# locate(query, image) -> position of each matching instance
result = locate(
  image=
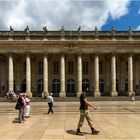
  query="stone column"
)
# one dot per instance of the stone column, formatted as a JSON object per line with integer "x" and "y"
{"x": 28, "y": 75}
{"x": 130, "y": 74}
{"x": 11, "y": 73}
{"x": 62, "y": 76}
{"x": 45, "y": 72}
{"x": 113, "y": 76}
{"x": 96, "y": 66}
{"x": 79, "y": 75}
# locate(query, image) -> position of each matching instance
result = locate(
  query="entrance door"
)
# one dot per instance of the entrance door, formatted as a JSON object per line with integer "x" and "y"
{"x": 23, "y": 89}
{"x": 126, "y": 87}
{"x": 40, "y": 87}
{"x": 70, "y": 88}
{"x": 102, "y": 87}
{"x": 55, "y": 87}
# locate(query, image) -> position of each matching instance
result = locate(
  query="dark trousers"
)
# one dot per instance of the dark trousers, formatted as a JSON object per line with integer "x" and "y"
{"x": 50, "y": 108}
{"x": 21, "y": 114}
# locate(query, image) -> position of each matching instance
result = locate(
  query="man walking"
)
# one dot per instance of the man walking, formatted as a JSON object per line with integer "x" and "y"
{"x": 84, "y": 113}
{"x": 50, "y": 103}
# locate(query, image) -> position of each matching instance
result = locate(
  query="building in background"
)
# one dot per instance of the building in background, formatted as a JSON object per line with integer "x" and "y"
{"x": 63, "y": 62}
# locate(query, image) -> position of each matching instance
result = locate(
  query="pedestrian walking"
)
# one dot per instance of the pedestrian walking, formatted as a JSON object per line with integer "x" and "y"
{"x": 50, "y": 103}
{"x": 84, "y": 113}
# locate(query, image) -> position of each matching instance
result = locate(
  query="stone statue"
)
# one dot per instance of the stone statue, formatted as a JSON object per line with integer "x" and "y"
{"x": 130, "y": 31}
{"x": 27, "y": 31}
{"x": 62, "y": 30}
{"x": 11, "y": 29}
{"x": 45, "y": 29}
{"x": 79, "y": 29}
{"x": 113, "y": 31}
{"x": 96, "y": 30}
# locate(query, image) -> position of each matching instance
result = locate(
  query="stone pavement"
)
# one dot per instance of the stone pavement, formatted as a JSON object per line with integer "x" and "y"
{"x": 119, "y": 120}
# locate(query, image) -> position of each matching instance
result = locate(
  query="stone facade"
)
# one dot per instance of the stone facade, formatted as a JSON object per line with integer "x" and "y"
{"x": 109, "y": 64}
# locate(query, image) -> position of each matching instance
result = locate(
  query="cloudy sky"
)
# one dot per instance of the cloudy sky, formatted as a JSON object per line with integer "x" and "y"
{"x": 70, "y": 13}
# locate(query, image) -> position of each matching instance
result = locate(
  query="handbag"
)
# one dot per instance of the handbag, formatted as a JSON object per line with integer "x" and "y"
{"x": 18, "y": 106}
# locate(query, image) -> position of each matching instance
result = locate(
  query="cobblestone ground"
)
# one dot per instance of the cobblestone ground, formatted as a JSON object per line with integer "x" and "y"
{"x": 119, "y": 120}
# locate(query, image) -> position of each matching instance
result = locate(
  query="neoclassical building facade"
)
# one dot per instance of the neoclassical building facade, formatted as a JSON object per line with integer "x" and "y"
{"x": 63, "y": 62}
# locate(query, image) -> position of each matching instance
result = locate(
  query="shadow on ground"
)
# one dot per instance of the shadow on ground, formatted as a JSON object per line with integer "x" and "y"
{"x": 73, "y": 132}
{"x": 15, "y": 120}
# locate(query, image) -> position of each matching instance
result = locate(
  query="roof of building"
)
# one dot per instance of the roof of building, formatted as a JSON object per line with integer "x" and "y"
{"x": 69, "y": 35}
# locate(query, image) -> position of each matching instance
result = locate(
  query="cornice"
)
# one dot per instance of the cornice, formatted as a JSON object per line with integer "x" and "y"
{"x": 69, "y": 43}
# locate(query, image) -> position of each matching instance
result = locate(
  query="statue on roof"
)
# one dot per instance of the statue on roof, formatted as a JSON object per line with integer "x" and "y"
{"x": 130, "y": 31}
{"x": 113, "y": 31}
{"x": 45, "y": 29}
{"x": 79, "y": 29}
{"x": 27, "y": 31}
{"x": 62, "y": 30}
{"x": 11, "y": 29}
{"x": 96, "y": 30}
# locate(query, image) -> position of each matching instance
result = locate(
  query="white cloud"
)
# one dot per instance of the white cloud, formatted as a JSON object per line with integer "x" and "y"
{"x": 55, "y": 13}
{"x": 139, "y": 11}
{"x": 138, "y": 28}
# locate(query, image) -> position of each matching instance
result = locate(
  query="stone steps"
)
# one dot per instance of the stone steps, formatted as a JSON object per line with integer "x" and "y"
{"x": 69, "y": 99}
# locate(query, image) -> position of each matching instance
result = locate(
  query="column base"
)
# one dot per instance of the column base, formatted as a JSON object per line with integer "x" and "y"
{"x": 130, "y": 93}
{"x": 97, "y": 94}
{"x": 29, "y": 93}
{"x": 62, "y": 94}
{"x": 114, "y": 93}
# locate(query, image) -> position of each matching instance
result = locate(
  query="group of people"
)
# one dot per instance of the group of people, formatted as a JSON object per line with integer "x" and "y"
{"x": 24, "y": 110}
{"x": 11, "y": 96}
{"x": 23, "y": 103}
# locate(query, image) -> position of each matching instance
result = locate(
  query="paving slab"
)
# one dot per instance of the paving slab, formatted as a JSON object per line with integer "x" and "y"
{"x": 116, "y": 120}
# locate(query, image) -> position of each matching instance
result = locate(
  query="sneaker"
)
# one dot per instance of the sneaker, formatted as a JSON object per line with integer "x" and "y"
{"x": 78, "y": 132}
{"x": 94, "y": 131}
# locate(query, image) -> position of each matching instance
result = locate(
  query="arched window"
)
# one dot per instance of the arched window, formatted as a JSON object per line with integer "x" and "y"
{"x": 15, "y": 86}
{"x": 126, "y": 86}
{"x": 55, "y": 87}
{"x": 85, "y": 83}
{"x": 70, "y": 87}
{"x": 40, "y": 87}
{"x": 101, "y": 87}
{"x": 117, "y": 85}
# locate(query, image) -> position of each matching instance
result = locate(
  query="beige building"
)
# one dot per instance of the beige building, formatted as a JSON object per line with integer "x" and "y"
{"x": 63, "y": 62}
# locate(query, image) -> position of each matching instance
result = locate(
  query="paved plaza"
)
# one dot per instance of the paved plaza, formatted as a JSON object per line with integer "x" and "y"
{"x": 119, "y": 120}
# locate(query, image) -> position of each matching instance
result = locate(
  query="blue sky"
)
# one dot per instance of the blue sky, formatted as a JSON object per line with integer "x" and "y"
{"x": 70, "y": 13}
{"x": 132, "y": 19}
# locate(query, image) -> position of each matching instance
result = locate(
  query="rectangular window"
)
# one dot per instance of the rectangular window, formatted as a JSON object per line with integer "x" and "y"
{"x": 70, "y": 67}
{"x": 55, "y": 67}
{"x": 100, "y": 67}
{"x": 85, "y": 67}
{"x": 40, "y": 68}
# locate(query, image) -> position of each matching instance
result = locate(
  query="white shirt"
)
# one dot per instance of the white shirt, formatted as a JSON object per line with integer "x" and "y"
{"x": 50, "y": 99}
{"x": 27, "y": 100}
